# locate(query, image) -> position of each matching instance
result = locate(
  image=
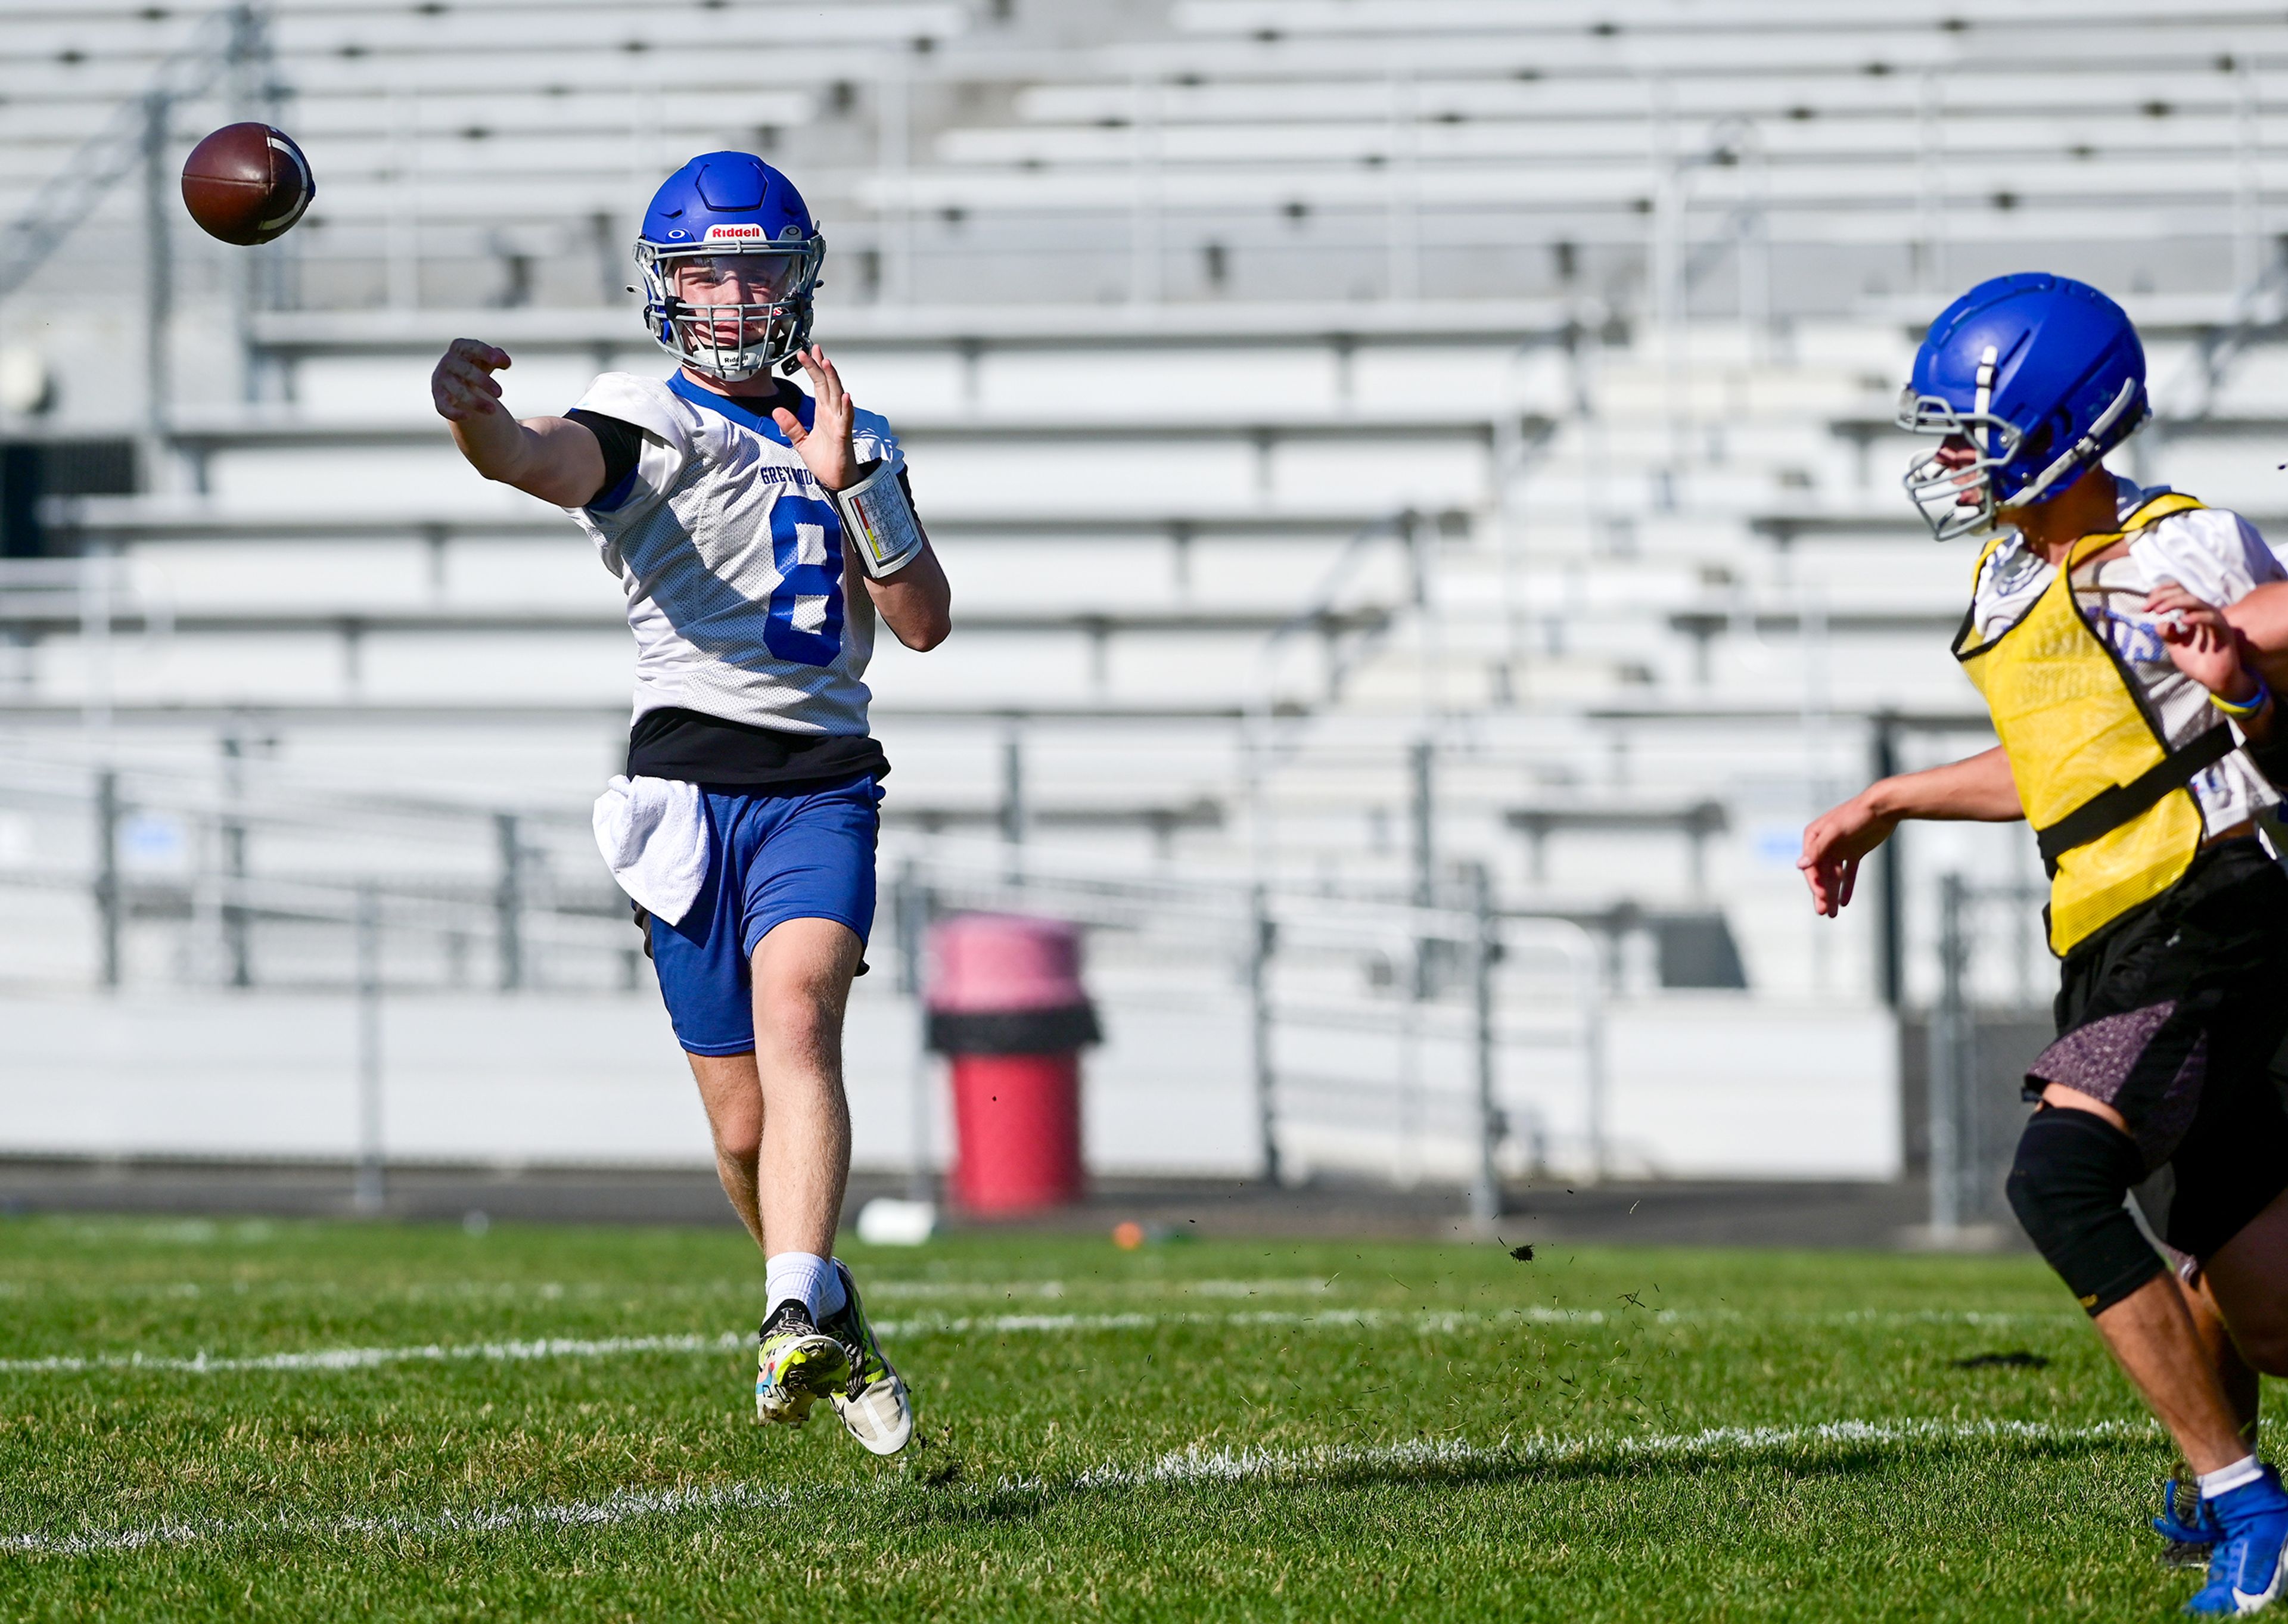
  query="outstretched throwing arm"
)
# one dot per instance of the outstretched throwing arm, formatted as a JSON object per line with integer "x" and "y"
{"x": 553, "y": 458}
{"x": 1979, "y": 790}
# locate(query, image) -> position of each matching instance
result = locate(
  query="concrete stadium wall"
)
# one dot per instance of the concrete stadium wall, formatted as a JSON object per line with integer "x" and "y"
{"x": 1709, "y": 1088}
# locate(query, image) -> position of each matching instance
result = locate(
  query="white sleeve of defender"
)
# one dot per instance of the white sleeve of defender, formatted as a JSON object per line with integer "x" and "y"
{"x": 2213, "y": 554}
{"x": 870, "y": 437}
{"x": 666, "y": 423}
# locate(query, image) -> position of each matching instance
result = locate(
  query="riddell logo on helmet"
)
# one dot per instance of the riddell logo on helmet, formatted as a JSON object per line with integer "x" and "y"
{"x": 737, "y": 233}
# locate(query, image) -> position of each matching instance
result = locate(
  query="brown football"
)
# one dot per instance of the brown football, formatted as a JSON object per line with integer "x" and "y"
{"x": 247, "y": 184}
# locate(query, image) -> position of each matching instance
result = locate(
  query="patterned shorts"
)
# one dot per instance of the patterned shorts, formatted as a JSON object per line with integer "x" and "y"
{"x": 2174, "y": 1016}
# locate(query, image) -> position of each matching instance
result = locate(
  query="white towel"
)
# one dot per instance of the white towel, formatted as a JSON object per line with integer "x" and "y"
{"x": 653, "y": 833}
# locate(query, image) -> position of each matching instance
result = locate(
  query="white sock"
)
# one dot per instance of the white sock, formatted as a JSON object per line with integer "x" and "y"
{"x": 2227, "y": 1479}
{"x": 831, "y": 1294}
{"x": 799, "y": 1275}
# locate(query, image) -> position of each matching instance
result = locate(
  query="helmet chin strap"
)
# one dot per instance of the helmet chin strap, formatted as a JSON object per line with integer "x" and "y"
{"x": 1984, "y": 399}
{"x": 2087, "y": 449}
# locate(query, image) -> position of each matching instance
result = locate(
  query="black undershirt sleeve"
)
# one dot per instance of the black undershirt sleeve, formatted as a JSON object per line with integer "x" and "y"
{"x": 621, "y": 442}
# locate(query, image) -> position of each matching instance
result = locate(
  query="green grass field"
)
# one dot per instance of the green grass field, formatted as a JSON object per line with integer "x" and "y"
{"x": 338, "y": 1421}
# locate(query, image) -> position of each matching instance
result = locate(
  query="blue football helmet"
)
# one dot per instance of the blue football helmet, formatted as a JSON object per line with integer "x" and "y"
{"x": 730, "y": 259}
{"x": 2041, "y": 375}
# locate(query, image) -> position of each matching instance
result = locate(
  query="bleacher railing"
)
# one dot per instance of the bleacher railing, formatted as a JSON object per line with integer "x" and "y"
{"x": 1421, "y": 1017}
{"x": 1447, "y": 1025}
{"x": 167, "y": 842}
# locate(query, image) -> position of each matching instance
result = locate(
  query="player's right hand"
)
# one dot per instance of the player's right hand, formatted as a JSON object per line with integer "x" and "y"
{"x": 1832, "y": 846}
{"x": 2204, "y": 645}
{"x": 463, "y": 384}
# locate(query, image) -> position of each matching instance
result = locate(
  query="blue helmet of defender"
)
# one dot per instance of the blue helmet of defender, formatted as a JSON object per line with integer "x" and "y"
{"x": 731, "y": 233}
{"x": 2040, "y": 377}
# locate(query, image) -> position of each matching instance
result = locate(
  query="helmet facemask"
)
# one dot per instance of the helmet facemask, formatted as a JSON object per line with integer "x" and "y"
{"x": 748, "y": 307}
{"x": 1957, "y": 500}
{"x": 1961, "y": 500}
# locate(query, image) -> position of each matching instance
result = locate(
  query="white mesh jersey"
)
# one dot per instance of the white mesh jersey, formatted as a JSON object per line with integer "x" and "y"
{"x": 2215, "y": 554}
{"x": 731, "y": 556}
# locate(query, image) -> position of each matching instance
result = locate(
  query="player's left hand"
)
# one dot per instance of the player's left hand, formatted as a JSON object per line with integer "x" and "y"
{"x": 2201, "y": 642}
{"x": 825, "y": 446}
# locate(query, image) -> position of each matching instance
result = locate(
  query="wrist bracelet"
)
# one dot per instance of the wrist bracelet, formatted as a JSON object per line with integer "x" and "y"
{"x": 2240, "y": 710}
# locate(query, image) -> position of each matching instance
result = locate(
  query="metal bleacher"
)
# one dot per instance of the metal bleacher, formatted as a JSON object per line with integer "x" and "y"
{"x": 1367, "y": 437}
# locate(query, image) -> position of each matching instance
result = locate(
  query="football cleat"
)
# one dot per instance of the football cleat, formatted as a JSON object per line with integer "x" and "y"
{"x": 874, "y": 1404}
{"x": 2189, "y": 1541}
{"x": 796, "y": 1364}
{"x": 2253, "y": 1541}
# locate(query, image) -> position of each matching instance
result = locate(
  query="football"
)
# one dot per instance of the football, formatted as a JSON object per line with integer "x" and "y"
{"x": 247, "y": 184}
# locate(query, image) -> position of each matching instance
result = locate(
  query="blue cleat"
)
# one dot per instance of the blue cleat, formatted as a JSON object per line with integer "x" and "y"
{"x": 2191, "y": 1539}
{"x": 2252, "y": 1541}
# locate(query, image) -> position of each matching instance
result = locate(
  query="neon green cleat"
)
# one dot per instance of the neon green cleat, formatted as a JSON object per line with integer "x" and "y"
{"x": 873, "y": 1403}
{"x": 796, "y": 1364}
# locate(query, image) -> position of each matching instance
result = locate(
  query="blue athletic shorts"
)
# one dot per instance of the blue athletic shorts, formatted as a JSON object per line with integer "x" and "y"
{"x": 801, "y": 854}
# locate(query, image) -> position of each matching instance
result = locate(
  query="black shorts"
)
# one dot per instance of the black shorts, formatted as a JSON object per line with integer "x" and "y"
{"x": 2172, "y": 1016}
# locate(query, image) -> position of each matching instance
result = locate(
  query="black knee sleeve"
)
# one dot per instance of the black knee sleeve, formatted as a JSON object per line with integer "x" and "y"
{"x": 2066, "y": 1186}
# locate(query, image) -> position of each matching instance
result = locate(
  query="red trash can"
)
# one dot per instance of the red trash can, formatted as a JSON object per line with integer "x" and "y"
{"x": 1007, "y": 1007}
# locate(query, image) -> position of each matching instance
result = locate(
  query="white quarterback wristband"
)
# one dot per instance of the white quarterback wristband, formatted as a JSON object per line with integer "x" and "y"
{"x": 880, "y": 522}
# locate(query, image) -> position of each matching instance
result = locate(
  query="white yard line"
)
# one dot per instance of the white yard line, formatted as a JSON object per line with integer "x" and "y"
{"x": 1304, "y": 1286}
{"x": 1326, "y": 1319}
{"x": 977, "y": 1293}
{"x": 1454, "y": 1319}
{"x": 1109, "y": 1318}
{"x": 611, "y": 1347}
{"x": 926, "y": 1325}
{"x": 1194, "y": 1465}
{"x": 626, "y": 1505}
{"x": 1199, "y": 1465}
{"x": 368, "y": 1359}
{"x": 960, "y": 1325}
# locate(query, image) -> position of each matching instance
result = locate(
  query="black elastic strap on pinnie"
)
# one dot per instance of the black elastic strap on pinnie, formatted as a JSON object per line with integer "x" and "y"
{"x": 2108, "y": 809}
{"x": 2271, "y": 759}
